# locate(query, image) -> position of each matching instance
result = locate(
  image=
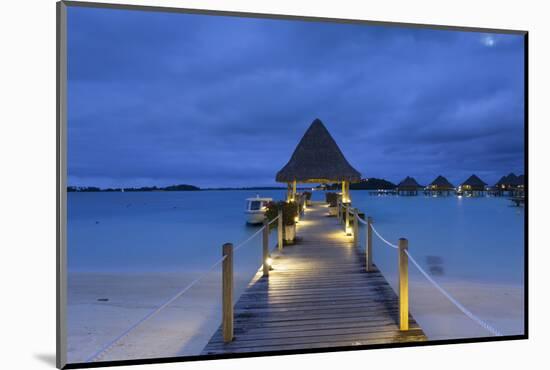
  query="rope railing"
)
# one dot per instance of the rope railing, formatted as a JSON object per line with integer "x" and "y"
{"x": 382, "y": 238}
{"x": 453, "y": 300}
{"x": 242, "y": 244}
{"x": 109, "y": 345}
{"x": 105, "y": 349}
{"x": 445, "y": 293}
{"x": 275, "y": 219}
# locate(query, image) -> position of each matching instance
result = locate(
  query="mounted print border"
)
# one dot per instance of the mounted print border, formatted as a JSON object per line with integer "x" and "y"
{"x": 297, "y": 274}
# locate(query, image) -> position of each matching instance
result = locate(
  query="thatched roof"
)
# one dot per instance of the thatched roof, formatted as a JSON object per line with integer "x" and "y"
{"x": 317, "y": 158}
{"x": 474, "y": 181}
{"x": 502, "y": 181}
{"x": 520, "y": 180}
{"x": 409, "y": 182}
{"x": 510, "y": 180}
{"x": 442, "y": 182}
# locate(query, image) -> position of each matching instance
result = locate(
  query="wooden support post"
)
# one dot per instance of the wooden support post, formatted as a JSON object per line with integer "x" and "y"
{"x": 344, "y": 195}
{"x": 280, "y": 230}
{"x": 347, "y": 219}
{"x": 265, "y": 247}
{"x": 355, "y": 227}
{"x": 227, "y": 292}
{"x": 369, "y": 245}
{"x": 287, "y": 192}
{"x": 294, "y": 190}
{"x": 403, "y": 285}
{"x": 339, "y": 210}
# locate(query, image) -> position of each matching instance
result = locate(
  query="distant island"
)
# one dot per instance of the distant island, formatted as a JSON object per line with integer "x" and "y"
{"x": 372, "y": 184}
{"x": 364, "y": 184}
{"x": 250, "y": 188}
{"x": 181, "y": 187}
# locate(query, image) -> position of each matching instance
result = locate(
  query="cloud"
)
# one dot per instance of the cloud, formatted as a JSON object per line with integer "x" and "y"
{"x": 222, "y": 101}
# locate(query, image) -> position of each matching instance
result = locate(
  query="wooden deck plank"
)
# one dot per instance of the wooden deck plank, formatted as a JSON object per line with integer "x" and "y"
{"x": 317, "y": 296}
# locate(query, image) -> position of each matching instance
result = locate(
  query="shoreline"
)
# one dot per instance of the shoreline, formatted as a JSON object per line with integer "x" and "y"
{"x": 102, "y": 305}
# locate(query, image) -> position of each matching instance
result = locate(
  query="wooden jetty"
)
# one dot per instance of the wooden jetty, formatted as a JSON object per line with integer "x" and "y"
{"x": 318, "y": 295}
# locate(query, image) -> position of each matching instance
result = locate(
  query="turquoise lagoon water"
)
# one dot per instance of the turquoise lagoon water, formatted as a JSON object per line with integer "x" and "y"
{"x": 155, "y": 231}
{"x": 478, "y": 238}
{"x": 472, "y": 238}
{"x": 469, "y": 245}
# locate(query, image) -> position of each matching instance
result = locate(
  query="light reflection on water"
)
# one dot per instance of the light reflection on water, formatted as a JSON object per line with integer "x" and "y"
{"x": 473, "y": 238}
{"x": 462, "y": 242}
{"x": 468, "y": 238}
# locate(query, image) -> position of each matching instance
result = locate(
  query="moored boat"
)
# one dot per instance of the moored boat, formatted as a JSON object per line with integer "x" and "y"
{"x": 255, "y": 209}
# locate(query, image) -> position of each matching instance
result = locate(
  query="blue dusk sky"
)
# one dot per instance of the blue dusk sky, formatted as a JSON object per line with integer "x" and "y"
{"x": 164, "y": 98}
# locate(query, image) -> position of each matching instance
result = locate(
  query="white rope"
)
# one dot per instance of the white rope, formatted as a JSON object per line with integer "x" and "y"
{"x": 458, "y": 305}
{"x": 361, "y": 220}
{"x": 381, "y": 238}
{"x": 109, "y": 345}
{"x": 242, "y": 244}
{"x": 464, "y": 310}
{"x": 275, "y": 219}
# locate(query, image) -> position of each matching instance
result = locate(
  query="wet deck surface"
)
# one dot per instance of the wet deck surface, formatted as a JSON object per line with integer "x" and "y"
{"x": 317, "y": 296}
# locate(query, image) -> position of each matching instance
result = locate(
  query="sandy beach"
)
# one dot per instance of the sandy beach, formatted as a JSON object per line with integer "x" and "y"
{"x": 499, "y": 305}
{"x": 103, "y": 305}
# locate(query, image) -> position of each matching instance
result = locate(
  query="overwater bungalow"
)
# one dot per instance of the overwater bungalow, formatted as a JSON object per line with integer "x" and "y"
{"x": 473, "y": 186}
{"x": 519, "y": 186}
{"x": 510, "y": 185}
{"x": 440, "y": 186}
{"x": 318, "y": 159}
{"x": 506, "y": 184}
{"x": 409, "y": 186}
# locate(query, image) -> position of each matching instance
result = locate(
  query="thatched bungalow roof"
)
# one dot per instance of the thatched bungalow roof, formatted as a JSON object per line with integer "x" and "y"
{"x": 507, "y": 181}
{"x": 474, "y": 182}
{"x": 520, "y": 180}
{"x": 317, "y": 158}
{"x": 409, "y": 183}
{"x": 501, "y": 182}
{"x": 441, "y": 183}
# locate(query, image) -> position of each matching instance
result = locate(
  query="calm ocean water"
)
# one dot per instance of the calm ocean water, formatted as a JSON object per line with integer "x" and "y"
{"x": 467, "y": 238}
{"x": 459, "y": 238}
{"x": 156, "y": 231}
{"x": 464, "y": 241}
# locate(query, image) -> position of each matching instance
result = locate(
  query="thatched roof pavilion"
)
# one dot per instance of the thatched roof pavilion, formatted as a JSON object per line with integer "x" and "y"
{"x": 441, "y": 183}
{"x": 318, "y": 159}
{"x": 473, "y": 183}
{"x": 520, "y": 181}
{"x": 507, "y": 182}
{"x": 501, "y": 183}
{"x": 409, "y": 186}
{"x": 409, "y": 183}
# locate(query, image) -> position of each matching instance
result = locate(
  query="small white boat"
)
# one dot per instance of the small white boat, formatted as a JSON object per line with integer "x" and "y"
{"x": 255, "y": 209}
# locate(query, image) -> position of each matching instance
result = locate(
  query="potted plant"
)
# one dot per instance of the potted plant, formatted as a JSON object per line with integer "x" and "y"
{"x": 307, "y": 194}
{"x": 290, "y": 212}
{"x": 332, "y": 200}
{"x": 271, "y": 212}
